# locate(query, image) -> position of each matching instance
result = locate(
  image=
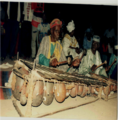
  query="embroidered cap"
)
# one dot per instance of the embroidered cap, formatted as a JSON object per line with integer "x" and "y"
{"x": 55, "y": 22}
{"x": 96, "y": 38}
{"x": 71, "y": 26}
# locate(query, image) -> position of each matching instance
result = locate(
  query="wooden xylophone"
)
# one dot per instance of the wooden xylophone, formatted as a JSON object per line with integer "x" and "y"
{"x": 33, "y": 86}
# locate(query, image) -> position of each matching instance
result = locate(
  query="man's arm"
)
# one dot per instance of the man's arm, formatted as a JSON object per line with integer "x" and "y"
{"x": 65, "y": 45}
{"x": 42, "y": 52}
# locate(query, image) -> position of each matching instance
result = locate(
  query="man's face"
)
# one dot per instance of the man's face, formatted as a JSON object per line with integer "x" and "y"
{"x": 72, "y": 33}
{"x": 95, "y": 45}
{"x": 55, "y": 32}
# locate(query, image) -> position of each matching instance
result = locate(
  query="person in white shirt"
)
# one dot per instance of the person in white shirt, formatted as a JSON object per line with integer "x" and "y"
{"x": 69, "y": 42}
{"x": 92, "y": 60}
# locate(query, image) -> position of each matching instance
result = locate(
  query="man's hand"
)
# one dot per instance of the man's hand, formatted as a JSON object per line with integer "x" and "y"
{"x": 107, "y": 68}
{"x": 54, "y": 62}
{"x": 93, "y": 68}
{"x": 76, "y": 63}
{"x": 77, "y": 50}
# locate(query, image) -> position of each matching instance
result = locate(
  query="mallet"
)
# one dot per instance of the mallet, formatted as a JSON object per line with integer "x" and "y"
{"x": 105, "y": 62}
{"x": 112, "y": 63}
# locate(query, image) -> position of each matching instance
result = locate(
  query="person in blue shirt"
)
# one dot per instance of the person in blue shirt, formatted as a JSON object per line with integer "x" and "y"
{"x": 87, "y": 42}
{"x": 112, "y": 70}
{"x": 43, "y": 29}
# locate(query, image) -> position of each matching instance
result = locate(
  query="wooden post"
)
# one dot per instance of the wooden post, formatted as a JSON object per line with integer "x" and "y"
{"x": 30, "y": 97}
{"x": 100, "y": 92}
{"x": 30, "y": 94}
{"x": 107, "y": 91}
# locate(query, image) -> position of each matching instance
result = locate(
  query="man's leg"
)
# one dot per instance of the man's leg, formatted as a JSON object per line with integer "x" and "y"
{"x": 6, "y": 40}
{"x": 33, "y": 41}
{"x": 23, "y": 38}
{"x": 26, "y": 38}
{"x": 15, "y": 28}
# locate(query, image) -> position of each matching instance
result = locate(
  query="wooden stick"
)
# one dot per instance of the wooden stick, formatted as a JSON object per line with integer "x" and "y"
{"x": 100, "y": 92}
{"x": 79, "y": 59}
{"x": 107, "y": 90}
{"x": 112, "y": 63}
{"x": 63, "y": 62}
{"x": 5, "y": 87}
{"x": 105, "y": 62}
{"x": 17, "y": 55}
{"x": 16, "y": 107}
{"x": 71, "y": 107}
{"x": 30, "y": 97}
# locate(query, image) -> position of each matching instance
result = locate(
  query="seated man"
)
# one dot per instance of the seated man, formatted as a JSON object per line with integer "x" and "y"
{"x": 92, "y": 60}
{"x": 69, "y": 42}
{"x": 114, "y": 66}
{"x": 50, "y": 51}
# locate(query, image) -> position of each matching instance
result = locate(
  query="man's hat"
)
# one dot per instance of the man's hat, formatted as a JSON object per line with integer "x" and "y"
{"x": 55, "y": 22}
{"x": 96, "y": 38}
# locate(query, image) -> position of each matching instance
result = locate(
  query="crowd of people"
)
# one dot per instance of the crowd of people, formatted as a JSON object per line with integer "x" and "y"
{"x": 54, "y": 45}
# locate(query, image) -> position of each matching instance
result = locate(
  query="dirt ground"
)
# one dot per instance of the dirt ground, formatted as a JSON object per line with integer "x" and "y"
{"x": 99, "y": 110}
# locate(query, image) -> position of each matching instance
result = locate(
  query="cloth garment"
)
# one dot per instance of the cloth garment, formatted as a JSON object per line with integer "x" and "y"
{"x": 45, "y": 51}
{"x": 42, "y": 59}
{"x": 3, "y": 13}
{"x": 71, "y": 26}
{"x": 86, "y": 43}
{"x": 70, "y": 41}
{"x": 104, "y": 57}
{"x": 26, "y": 38}
{"x": 110, "y": 49}
{"x": 104, "y": 52}
{"x": 116, "y": 47}
{"x": 2, "y": 33}
{"x": 88, "y": 61}
{"x": 33, "y": 41}
{"x": 44, "y": 29}
{"x": 109, "y": 33}
{"x": 112, "y": 58}
{"x": 4, "y": 78}
{"x": 15, "y": 10}
{"x": 114, "y": 73}
{"x": 28, "y": 12}
{"x": 38, "y": 9}
{"x": 12, "y": 28}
